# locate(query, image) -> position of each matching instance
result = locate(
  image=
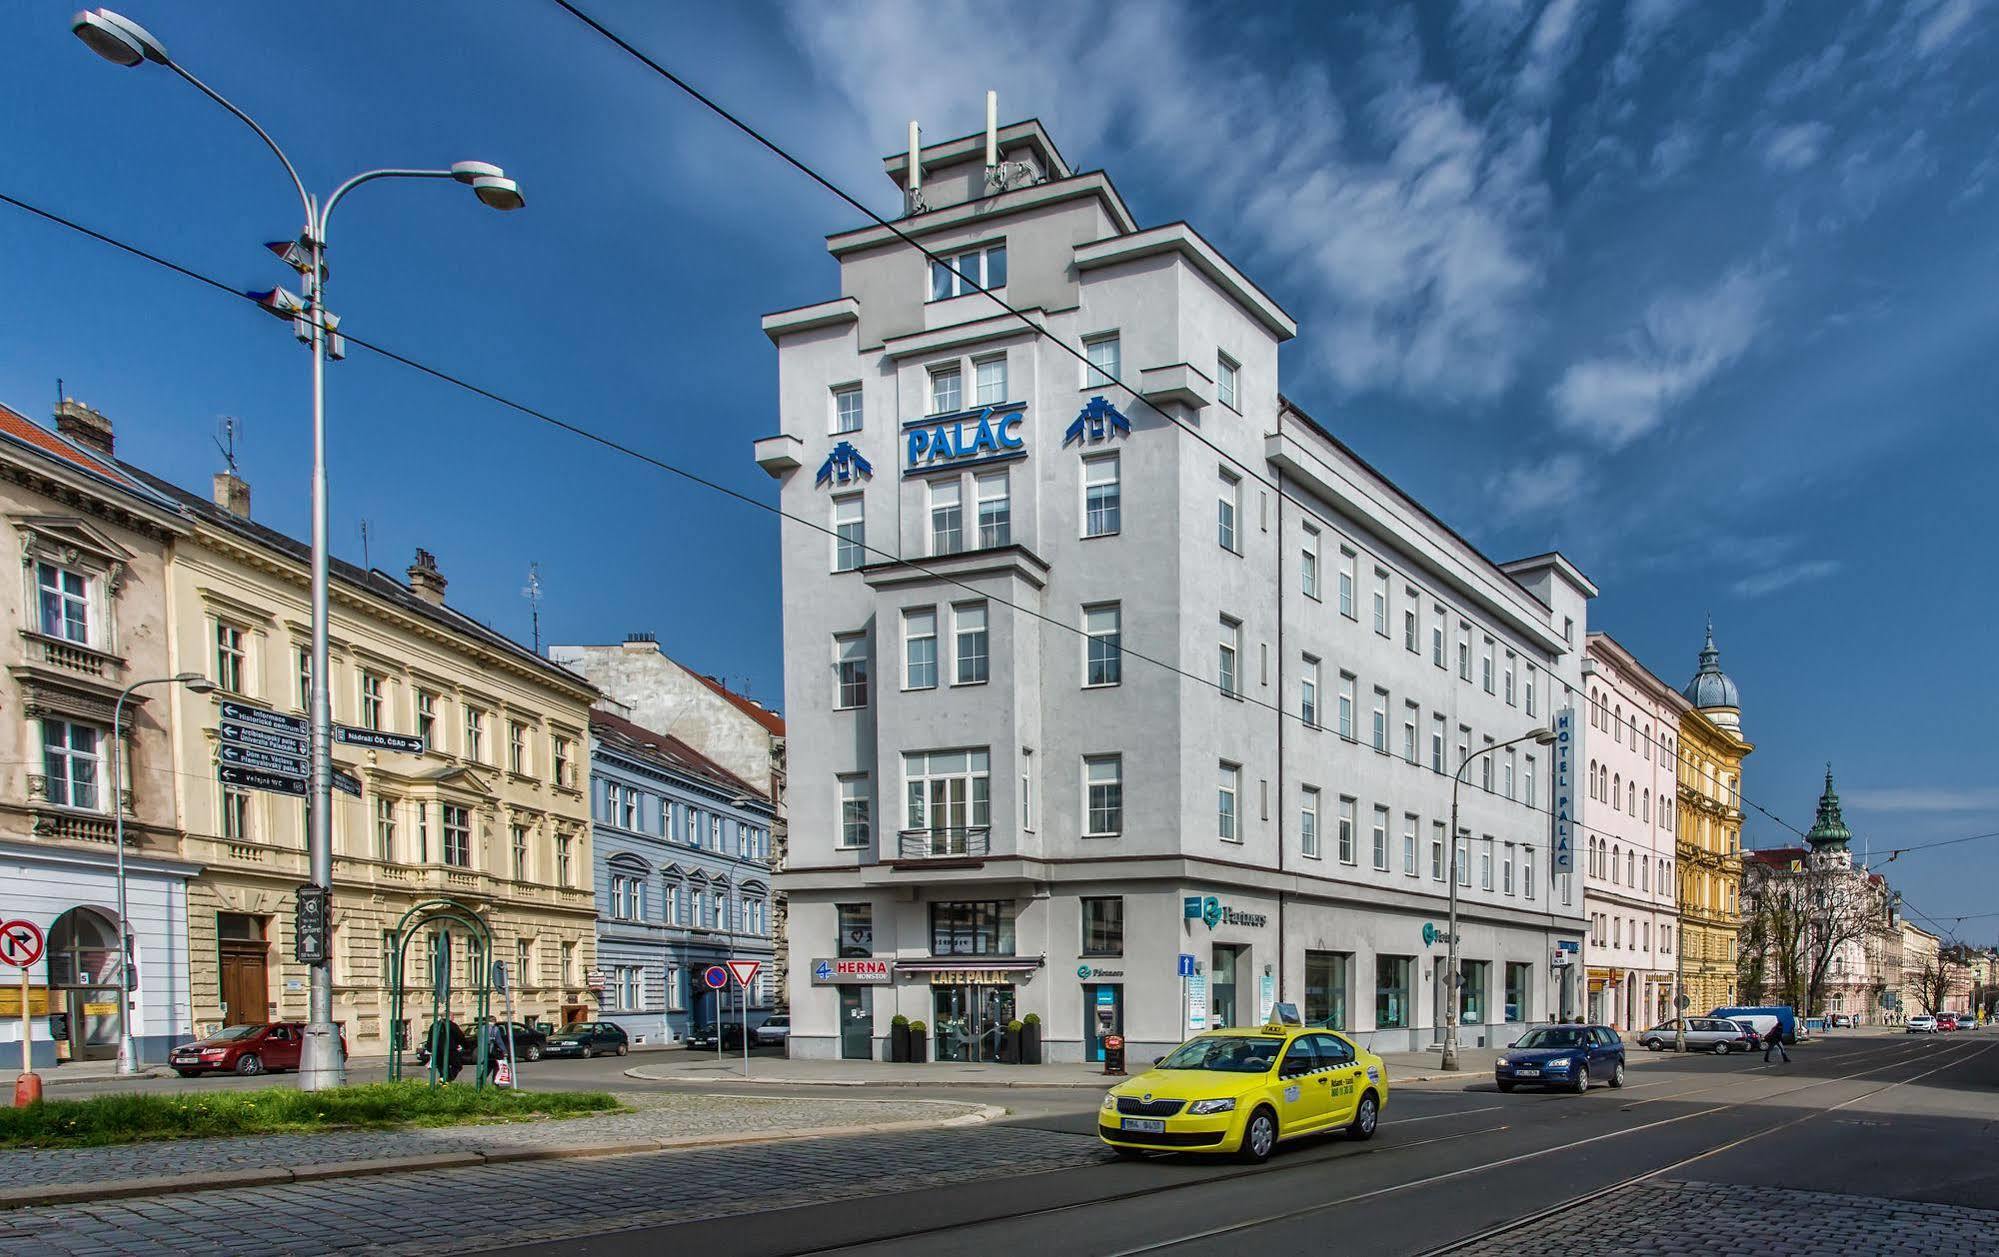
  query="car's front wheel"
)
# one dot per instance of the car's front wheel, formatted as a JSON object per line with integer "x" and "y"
{"x": 1366, "y": 1118}
{"x": 1259, "y": 1137}
{"x": 1580, "y": 1083}
{"x": 1721, "y": 1048}
{"x": 1653, "y": 1045}
{"x": 588, "y": 1052}
{"x": 249, "y": 1064}
{"x": 533, "y": 1052}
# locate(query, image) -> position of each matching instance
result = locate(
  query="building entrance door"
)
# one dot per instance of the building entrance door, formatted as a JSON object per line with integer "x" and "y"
{"x": 970, "y": 1021}
{"x": 246, "y": 992}
{"x": 1222, "y": 985}
{"x": 857, "y": 1023}
{"x": 82, "y": 955}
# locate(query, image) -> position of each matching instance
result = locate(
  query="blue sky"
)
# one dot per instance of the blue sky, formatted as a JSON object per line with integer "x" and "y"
{"x": 1699, "y": 294}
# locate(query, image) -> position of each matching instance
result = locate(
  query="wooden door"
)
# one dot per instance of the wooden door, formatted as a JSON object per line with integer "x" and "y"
{"x": 246, "y": 997}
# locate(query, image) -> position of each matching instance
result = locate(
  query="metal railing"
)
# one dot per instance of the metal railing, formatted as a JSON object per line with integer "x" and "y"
{"x": 944, "y": 842}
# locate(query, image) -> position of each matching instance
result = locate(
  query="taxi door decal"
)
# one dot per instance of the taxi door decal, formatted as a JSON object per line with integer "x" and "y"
{"x": 1291, "y": 1094}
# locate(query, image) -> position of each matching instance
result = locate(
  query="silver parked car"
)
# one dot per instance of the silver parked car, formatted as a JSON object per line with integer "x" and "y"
{"x": 774, "y": 1030}
{"x": 1704, "y": 1034}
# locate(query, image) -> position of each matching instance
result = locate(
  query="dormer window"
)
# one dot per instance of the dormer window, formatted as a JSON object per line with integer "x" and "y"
{"x": 956, "y": 275}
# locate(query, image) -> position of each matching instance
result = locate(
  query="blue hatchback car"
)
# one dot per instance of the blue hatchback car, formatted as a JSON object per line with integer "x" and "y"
{"x": 1570, "y": 1057}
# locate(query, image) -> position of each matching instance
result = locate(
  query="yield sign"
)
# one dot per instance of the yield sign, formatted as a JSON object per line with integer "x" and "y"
{"x": 744, "y": 971}
{"x": 21, "y": 944}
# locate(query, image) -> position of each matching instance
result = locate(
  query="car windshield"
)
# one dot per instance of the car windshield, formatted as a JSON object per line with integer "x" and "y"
{"x": 1228, "y": 1055}
{"x": 1553, "y": 1037}
{"x": 230, "y": 1034}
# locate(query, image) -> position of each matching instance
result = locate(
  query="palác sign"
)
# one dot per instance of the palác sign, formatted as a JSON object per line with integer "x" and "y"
{"x": 969, "y": 438}
{"x": 1565, "y": 791}
{"x": 852, "y": 971}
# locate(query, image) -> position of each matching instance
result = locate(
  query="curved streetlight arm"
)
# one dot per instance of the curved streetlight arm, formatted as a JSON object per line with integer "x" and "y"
{"x": 305, "y": 198}
{"x": 326, "y": 211}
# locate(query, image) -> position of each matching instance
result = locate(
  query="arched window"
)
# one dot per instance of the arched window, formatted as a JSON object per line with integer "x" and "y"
{"x": 1645, "y": 805}
{"x": 1617, "y": 725}
{"x": 1613, "y": 863}
{"x": 1631, "y": 799}
{"x": 1616, "y": 789}
{"x": 1631, "y": 868}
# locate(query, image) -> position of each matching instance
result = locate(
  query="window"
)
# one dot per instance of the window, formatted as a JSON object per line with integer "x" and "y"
{"x": 968, "y": 272}
{"x": 1464, "y": 745}
{"x": 1308, "y": 563}
{"x": 565, "y": 764}
{"x": 995, "y": 510}
{"x": 1308, "y": 821}
{"x": 1308, "y": 700}
{"x": 1026, "y": 790}
{"x": 422, "y": 852}
{"x": 1506, "y": 778}
{"x": 1103, "y": 355}
{"x": 371, "y": 701}
{"x": 847, "y": 409}
{"x": 1485, "y": 768}
{"x": 1508, "y": 687}
{"x": 475, "y": 734}
{"x": 457, "y": 836}
{"x": 850, "y": 532}
{"x": 989, "y": 379}
{"x": 1530, "y": 690}
{"x": 1230, "y": 781}
{"x": 1346, "y": 705}
{"x": 949, "y": 795}
{"x": 1228, "y": 506}
{"x": 1346, "y": 836}
{"x": 1410, "y": 824}
{"x": 1103, "y": 646}
{"x": 1391, "y": 992}
{"x": 1103, "y": 790}
{"x": 1568, "y": 629}
{"x": 947, "y": 517}
{"x": 302, "y": 660}
{"x": 1506, "y": 869}
{"x": 856, "y": 929}
{"x": 971, "y": 929}
{"x": 65, "y": 602}
{"x": 1462, "y": 854}
{"x": 1529, "y": 783}
{"x": 1436, "y": 851}
{"x": 385, "y": 830}
{"x": 1102, "y": 496}
{"x": 1437, "y": 636}
{"x": 1472, "y": 977}
{"x": 628, "y": 812}
{"x": 426, "y": 718}
{"x": 850, "y": 669}
{"x": 1380, "y": 834}
{"x": 968, "y": 622}
{"x": 1436, "y": 744}
{"x": 231, "y": 660}
{"x": 1410, "y": 714}
{"x": 517, "y": 844}
{"x": 1326, "y": 988}
{"x": 1227, "y": 378}
{"x": 236, "y": 815}
{"x": 70, "y": 760}
{"x": 1485, "y": 863}
{"x": 1380, "y": 602}
{"x": 919, "y": 649}
{"x": 1346, "y": 582}
{"x": 563, "y": 845}
{"x": 947, "y": 389}
{"x": 1527, "y": 871}
{"x": 1227, "y": 670}
{"x": 1464, "y": 652}
{"x": 1485, "y": 664}
{"x": 1378, "y": 720}
{"x": 628, "y": 986}
{"x": 518, "y": 745}
{"x": 1409, "y": 630}
{"x": 1103, "y": 926}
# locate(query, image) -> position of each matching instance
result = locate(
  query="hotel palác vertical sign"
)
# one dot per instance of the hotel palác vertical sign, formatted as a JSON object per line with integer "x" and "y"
{"x": 1565, "y": 791}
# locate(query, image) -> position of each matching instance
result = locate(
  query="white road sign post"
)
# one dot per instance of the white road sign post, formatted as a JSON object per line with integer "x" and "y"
{"x": 744, "y": 972}
{"x": 21, "y": 946}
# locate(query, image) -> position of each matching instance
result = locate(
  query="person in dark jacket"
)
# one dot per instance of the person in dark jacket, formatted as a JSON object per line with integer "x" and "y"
{"x": 449, "y": 1048}
{"x": 1775, "y": 1041}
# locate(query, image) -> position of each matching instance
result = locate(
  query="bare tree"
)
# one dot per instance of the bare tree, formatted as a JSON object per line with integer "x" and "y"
{"x": 1933, "y": 982}
{"x": 1800, "y": 918}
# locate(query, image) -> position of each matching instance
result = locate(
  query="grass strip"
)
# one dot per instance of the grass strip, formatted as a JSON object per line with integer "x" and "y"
{"x": 141, "y": 1116}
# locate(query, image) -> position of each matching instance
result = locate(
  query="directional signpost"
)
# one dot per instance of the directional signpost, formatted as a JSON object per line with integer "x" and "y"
{"x": 715, "y": 977}
{"x": 744, "y": 972}
{"x": 375, "y": 739}
{"x": 262, "y": 750}
{"x": 260, "y": 779}
{"x": 21, "y": 946}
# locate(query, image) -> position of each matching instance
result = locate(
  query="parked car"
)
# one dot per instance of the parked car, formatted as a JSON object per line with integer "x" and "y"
{"x": 1562, "y": 1056}
{"x": 587, "y": 1039}
{"x": 1841, "y": 1021}
{"x": 703, "y": 1036}
{"x": 1921, "y": 1024}
{"x": 247, "y": 1050}
{"x": 1704, "y": 1034}
{"x": 1785, "y": 1016}
{"x": 1751, "y": 1040}
{"x": 529, "y": 1042}
{"x": 774, "y": 1031}
{"x": 1947, "y": 1021}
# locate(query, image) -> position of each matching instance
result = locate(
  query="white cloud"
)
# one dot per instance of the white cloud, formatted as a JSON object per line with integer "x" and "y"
{"x": 1683, "y": 342}
{"x": 1550, "y": 48}
{"x": 1790, "y": 149}
{"x": 1410, "y": 237}
{"x": 1922, "y": 799}
{"x": 1940, "y": 23}
{"x": 1674, "y": 152}
{"x": 1777, "y": 578}
{"x": 1532, "y": 488}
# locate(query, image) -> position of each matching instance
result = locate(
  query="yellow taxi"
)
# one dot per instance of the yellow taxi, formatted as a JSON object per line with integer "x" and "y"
{"x": 1243, "y": 1090}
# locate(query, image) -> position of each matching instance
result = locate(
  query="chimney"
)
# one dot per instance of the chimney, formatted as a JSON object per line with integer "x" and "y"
{"x": 232, "y": 494}
{"x": 645, "y": 642}
{"x": 83, "y": 425}
{"x": 426, "y": 582}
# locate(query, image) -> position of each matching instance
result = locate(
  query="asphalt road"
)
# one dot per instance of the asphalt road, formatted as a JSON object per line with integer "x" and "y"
{"x": 1906, "y": 1118}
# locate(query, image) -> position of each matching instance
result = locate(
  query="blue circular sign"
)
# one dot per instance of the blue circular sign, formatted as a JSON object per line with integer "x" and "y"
{"x": 715, "y": 976}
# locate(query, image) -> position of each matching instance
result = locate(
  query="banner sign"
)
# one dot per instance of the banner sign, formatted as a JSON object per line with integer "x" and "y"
{"x": 1565, "y": 791}
{"x": 852, "y": 971}
{"x": 968, "y": 438}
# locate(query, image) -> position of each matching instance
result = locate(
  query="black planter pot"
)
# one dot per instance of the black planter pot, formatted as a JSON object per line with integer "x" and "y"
{"x": 1015, "y": 1051}
{"x": 1030, "y": 1043}
{"x": 897, "y": 1047}
{"x": 919, "y": 1048}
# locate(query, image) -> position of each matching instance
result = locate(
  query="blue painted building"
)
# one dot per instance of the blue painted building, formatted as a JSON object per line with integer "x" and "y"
{"x": 682, "y": 865}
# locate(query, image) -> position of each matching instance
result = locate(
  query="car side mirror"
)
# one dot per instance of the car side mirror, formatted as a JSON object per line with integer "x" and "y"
{"x": 1157, "y": 1059}
{"x": 1514, "y": 1044}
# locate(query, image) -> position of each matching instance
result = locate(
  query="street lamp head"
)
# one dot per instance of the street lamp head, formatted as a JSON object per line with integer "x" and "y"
{"x": 1543, "y": 737}
{"x": 196, "y": 682}
{"x": 116, "y": 38}
{"x": 498, "y": 193}
{"x": 467, "y": 171}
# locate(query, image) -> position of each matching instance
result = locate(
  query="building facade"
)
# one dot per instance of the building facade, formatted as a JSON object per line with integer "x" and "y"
{"x": 493, "y": 815}
{"x": 682, "y": 870}
{"x": 1103, "y": 662}
{"x": 1920, "y": 952}
{"x": 743, "y": 737}
{"x": 1709, "y": 750}
{"x": 87, "y": 618}
{"x": 1630, "y": 879}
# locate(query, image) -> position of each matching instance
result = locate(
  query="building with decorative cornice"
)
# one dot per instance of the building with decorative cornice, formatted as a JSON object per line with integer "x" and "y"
{"x": 1709, "y": 753}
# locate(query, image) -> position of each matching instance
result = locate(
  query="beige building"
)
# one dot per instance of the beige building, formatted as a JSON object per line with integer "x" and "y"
{"x": 1919, "y": 954}
{"x": 493, "y": 815}
{"x": 1709, "y": 752}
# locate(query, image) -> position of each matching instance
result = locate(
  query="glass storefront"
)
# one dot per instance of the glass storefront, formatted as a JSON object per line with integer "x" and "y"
{"x": 1222, "y": 986}
{"x": 969, "y": 1021}
{"x": 1472, "y": 976}
{"x": 1391, "y": 992}
{"x": 1519, "y": 989}
{"x": 1326, "y": 988}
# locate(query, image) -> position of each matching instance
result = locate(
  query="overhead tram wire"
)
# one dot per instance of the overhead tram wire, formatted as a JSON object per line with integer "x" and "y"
{"x": 696, "y": 478}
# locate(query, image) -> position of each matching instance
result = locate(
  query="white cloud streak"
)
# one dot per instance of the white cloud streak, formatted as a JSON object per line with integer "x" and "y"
{"x": 1764, "y": 583}
{"x": 1533, "y": 488}
{"x": 1790, "y": 149}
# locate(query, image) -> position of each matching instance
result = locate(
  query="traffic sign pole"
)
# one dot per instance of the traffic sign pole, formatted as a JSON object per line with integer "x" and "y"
{"x": 21, "y": 945}
{"x": 744, "y": 972}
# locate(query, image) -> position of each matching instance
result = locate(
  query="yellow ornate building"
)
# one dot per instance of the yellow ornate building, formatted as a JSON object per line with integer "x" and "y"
{"x": 1710, "y": 754}
{"x": 494, "y": 814}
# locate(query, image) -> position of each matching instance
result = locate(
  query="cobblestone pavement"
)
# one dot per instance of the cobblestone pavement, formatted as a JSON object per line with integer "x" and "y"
{"x": 658, "y": 1116}
{"x": 494, "y": 1206}
{"x": 1674, "y": 1217}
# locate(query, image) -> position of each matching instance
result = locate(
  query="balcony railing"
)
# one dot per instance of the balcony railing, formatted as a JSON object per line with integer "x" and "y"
{"x": 951, "y": 842}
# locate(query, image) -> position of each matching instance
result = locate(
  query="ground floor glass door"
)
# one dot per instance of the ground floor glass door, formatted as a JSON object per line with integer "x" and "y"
{"x": 1222, "y": 985}
{"x": 857, "y": 1023}
{"x": 970, "y": 1022}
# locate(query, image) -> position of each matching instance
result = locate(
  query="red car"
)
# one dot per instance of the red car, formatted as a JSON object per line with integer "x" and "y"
{"x": 1948, "y": 1021}
{"x": 246, "y": 1050}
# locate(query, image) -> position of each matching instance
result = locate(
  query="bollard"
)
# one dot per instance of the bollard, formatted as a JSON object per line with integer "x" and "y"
{"x": 27, "y": 1090}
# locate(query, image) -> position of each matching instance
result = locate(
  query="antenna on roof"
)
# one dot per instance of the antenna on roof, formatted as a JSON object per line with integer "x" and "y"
{"x": 532, "y": 592}
{"x": 1001, "y": 175}
{"x": 913, "y": 177}
{"x": 58, "y": 392}
{"x": 226, "y": 442}
{"x": 365, "y": 565}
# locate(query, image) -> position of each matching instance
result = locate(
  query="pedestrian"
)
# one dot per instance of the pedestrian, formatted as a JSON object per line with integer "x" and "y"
{"x": 1774, "y": 1041}
{"x": 496, "y": 1047}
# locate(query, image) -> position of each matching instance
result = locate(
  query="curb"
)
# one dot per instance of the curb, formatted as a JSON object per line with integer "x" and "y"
{"x": 1109, "y": 1080}
{"x": 278, "y": 1176}
{"x": 51, "y": 1078}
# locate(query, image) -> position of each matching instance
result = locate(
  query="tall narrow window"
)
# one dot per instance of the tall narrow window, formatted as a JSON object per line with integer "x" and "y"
{"x": 1228, "y": 672}
{"x": 1527, "y": 871}
{"x": 919, "y": 638}
{"x": 1485, "y": 665}
{"x": 1436, "y": 744}
{"x": 1227, "y": 380}
{"x": 1308, "y": 701}
{"x": 990, "y": 380}
{"x": 995, "y": 510}
{"x": 1228, "y": 507}
{"x": 564, "y": 848}
{"x": 1103, "y": 783}
{"x": 517, "y": 849}
{"x": 947, "y": 390}
{"x": 385, "y": 830}
{"x": 1308, "y": 563}
{"x": 1410, "y": 641}
{"x": 1346, "y": 582}
{"x": 475, "y": 734}
{"x": 1508, "y": 689}
{"x": 426, "y": 718}
{"x": 1437, "y": 636}
{"x": 371, "y": 701}
{"x": 518, "y": 758}
{"x": 1346, "y": 705}
{"x": 969, "y": 627}
{"x": 1410, "y": 824}
{"x": 1529, "y": 784}
{"x": 850, "y": 669}
{"x": 1380, "y": 602}
{"x": 947, "y": 517}
{"x": 1436, "y": 851}
{"x": 1378, "y": 721}
{"x": 1410, "y": 714}
{"x": 302, "y": 660}
{"x": 1103, "y": 354}
{"x": 850, "y": 532}
{"x": 64, "y": 597}
{"x": 231, "y": 660}
{"x": 236, "y": 815}
{"x": 1380, "y": 834}
{"x": 1229, "y": 786}
{"x": 457, "y": 836}
{"x": 1102, "y": 496}
{"x": 1308, "y": 821}
{"x": 1530, "y": 700}
{"x": 847, "y": 409}
{"x": 1464, "y": 652}
{"x": 1103, "y": 653}
{"x": 856, "y": 810}
{"x": 1346, "y": 836}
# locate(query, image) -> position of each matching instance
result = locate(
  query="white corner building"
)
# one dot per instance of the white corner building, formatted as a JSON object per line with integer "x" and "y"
{"x": 1105, "y": 662}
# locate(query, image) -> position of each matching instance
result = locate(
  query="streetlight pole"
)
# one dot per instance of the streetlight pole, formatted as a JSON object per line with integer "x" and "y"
{"x": 128, "y": 1046}
{"x": 1540, "y": 737}
{"x": 124, "y": 42}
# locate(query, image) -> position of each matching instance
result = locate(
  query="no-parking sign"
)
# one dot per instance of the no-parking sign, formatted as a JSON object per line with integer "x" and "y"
{"x": 715, "y": 977}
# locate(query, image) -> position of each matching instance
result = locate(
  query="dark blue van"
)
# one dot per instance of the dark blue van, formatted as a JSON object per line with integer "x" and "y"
{"x": 1787, "y": 1020}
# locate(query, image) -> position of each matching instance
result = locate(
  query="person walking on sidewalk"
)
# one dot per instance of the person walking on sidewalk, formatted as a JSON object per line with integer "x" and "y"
{"x": 1774, "y": 1041}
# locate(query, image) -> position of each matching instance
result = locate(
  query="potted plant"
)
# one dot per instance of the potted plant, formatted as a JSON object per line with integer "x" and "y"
{"x": 1030, "y": 1039}
{"x": 919, "y": 1042}
{"x": 1013, "y": 1050}
{"x": 898, "y": 1038}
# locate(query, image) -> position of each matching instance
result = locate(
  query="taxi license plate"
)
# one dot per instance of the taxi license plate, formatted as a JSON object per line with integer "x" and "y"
{"x": 1145, "y": 1125}
{"x": 1528, "y": 1073}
